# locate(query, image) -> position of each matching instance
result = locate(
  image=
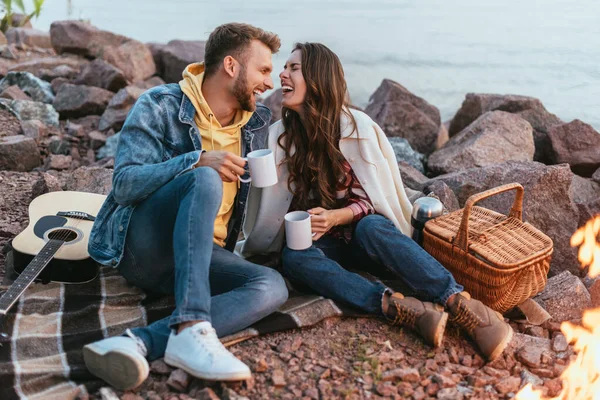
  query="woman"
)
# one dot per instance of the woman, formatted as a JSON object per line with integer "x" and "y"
{"x": 337, "y": 164}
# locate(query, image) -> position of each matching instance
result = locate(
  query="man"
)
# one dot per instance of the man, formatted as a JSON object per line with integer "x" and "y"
{"x": 174, "y": 214}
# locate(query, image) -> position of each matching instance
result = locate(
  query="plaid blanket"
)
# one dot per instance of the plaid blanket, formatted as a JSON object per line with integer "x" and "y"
{"x": 42, "y": 336}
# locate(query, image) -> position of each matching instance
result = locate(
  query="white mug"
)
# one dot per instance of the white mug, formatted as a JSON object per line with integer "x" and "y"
{"x": 298, "y": 234}
{"x": 263, "y": 171}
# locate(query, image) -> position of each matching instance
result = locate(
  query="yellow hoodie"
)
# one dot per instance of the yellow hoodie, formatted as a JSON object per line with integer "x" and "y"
{"x": 215, "y": 137}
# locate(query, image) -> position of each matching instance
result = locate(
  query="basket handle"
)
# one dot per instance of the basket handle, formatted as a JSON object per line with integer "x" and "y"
{"x": 462, "y": 237}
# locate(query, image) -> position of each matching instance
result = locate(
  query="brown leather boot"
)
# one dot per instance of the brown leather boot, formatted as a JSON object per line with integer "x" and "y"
{"x": 485, "y": 326}
{"x": 428, "y": 319}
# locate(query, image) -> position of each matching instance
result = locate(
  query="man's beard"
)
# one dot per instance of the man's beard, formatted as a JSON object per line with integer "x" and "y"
{"x": 242, "y": 93}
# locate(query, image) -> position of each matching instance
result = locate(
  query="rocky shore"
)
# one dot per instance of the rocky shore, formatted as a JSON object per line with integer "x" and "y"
{"x": 64, "y": 95}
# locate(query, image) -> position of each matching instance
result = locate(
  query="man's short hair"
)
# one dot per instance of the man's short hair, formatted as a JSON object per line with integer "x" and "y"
{"x": 232, "y": 39}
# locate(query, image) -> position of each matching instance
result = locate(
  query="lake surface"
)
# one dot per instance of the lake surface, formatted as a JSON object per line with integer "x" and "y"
{"x": 439, "y": 50}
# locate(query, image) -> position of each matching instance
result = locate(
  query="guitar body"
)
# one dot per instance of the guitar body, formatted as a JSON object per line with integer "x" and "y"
{"x": 71, "y": 263}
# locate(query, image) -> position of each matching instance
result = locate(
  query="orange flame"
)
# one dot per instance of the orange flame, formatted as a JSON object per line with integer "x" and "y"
{"x": 581, "y": 379}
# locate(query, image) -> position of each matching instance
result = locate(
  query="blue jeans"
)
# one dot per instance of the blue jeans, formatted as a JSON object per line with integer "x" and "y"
{"x": 375, "y": 240}
{"x": 169, "y": 249}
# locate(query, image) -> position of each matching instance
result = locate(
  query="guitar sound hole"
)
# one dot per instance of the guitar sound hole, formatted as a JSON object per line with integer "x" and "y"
{"x": 66, "y": 235}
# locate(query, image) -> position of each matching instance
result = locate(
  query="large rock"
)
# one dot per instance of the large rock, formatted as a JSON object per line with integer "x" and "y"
{"x": 547, "y": 204}
{"x": 404, "y": 152}
{"x": 18, "y": 153}
{"x": 101, "y": 74}
{"x": 47, "y": 68}
{"x": 477, "y": 104}
{"x": 443, "y": 193}
{"x": 119, "y": 107}
{"x": 411, "y": 177}
{"x": 10, "y": 124}
{"x": 28, "y": 37}
{"x": 274, "y": 104}
{"x": 541, "y": 121}
{"x": 150, "y": 83}
{"x": 14, "y": 93}
{"x": 178, "y": 54}
{"x": 28, "y": 110}
{"x": 584, "y": 190}
{"x": 565, "y": 297}
{"x": 596, "y": 176}
{"x": 493, "y": 138}
{"x": 130, "y": 56}
{"x": 133, "y": 58}
{"x": 577, "y": 144}
{"x": 80, "y": 100}
{"x": 90, "y": 179}
{"x": 109, "y": 150}
{"x": 401, "y": 113}
{"x": 33, "y": 86}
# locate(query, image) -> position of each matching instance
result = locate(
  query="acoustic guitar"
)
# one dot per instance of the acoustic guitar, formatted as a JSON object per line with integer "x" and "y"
{"x": 53, "y": 247}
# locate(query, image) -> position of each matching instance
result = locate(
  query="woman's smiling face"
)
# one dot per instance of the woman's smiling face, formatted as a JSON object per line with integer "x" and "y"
{"x": 293, "y": 83}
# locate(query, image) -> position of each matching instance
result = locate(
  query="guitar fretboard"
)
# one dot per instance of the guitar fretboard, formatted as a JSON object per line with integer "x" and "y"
{"x": 29, "y": 274}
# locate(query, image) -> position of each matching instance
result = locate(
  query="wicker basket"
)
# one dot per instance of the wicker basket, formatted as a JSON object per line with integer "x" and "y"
{"x": 499, "y": 259}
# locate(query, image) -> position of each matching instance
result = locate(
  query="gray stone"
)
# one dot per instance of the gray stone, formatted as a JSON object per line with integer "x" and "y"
{"x": 547, "y": 204}
{"x": 36, "y": 88}
{"x": 46, "y": 183}
{"x": 530, "y": 378}
{"x": 59, "y": 162}
{"x": 101, "y": 74}
{"x": 14, "y": 93}
{"x": 90, "y": 179}
{"x": 565, "y": 297}
{"x": 559, "y": 343}
{"x": 444, "y": 194}
{"x": 97, "y": 139}
{"x": 178, "y": 54}
{"x": 596, "y": 176}
{"x": 10, "y": 124}
{"x": 130, "y": 56}
{"x": 150, "y": 83}
{"x": 541, "y": 121}
{"x": 584, "y": 190}
{"x": 404, "y": 152}
{"x": 118, "y": 108}
{"x": 18, "y": 153}
{"x": 411, "y": 177}
{"x": 493, "y": 138}
{"x": 56, "y": 83}
{"x": 577, "y": 144}
{"x": 80, "y": 100}
{"x": 110, "y": 148}
{"x": 57, "y": 145}
{"x": 477, "y": 104}
{"x": 28, "y": 110}
{"x": 44, "y": 67}
{"x": 34, "y": 129}
{"x": 403, "y": 114}
{"x": 179, "y": 380}
{"x": 273, "y": 101}
{"x": 28, "y": 37}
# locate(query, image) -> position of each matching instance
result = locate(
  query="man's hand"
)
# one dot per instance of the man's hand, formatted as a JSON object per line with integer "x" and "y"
{"x": 323, "y": 220}
{"x": 228, "y": 165}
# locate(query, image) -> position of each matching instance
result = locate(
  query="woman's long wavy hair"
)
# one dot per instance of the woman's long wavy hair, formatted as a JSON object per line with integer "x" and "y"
{"x": 316, "y": 166}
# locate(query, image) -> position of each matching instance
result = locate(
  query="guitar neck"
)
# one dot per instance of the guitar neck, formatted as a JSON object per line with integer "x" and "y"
{"x": 29, "y": 274}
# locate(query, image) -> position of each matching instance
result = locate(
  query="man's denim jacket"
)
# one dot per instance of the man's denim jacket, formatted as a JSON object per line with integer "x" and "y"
{"x": 160, "y": 141}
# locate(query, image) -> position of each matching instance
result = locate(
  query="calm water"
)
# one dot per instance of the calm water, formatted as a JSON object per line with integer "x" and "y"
{"x": 438, "y": 49}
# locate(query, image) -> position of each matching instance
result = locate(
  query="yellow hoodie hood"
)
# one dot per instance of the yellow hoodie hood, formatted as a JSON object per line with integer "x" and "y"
{"x": 219, "y": 136}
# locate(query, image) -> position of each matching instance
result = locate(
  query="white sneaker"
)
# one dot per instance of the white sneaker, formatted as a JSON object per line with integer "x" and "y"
{"x": 198, "y": 351}
{"x": 120, "y": 360}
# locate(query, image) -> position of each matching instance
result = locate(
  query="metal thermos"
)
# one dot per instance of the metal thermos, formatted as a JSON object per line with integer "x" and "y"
{"x": 424, "y": 209}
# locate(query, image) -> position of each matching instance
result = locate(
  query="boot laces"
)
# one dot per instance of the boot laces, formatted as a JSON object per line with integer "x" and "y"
{"x": 404, "y": 315}
{"x": 465, "y": 317}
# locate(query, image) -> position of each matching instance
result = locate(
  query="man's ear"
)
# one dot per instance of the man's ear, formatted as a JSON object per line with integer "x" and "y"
{"x": 230, "y": 66}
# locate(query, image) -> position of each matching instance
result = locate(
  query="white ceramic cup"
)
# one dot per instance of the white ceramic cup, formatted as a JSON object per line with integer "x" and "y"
{"x": 263, "y": 172}
{"x": 298, "y": 234}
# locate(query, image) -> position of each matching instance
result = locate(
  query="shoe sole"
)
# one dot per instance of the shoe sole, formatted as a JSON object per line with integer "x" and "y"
{"x": 117, "y": 368}
{"x": 238, "y": 376}
{"x": 438, "y": 337}
{"x": 500, "y": 348}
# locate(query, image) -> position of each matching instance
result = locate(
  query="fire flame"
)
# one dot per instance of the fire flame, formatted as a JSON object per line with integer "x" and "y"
{"x": 581, "y": 379}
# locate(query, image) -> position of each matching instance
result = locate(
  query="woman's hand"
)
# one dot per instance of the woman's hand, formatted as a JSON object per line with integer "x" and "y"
{"x": 323, "y": 220}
